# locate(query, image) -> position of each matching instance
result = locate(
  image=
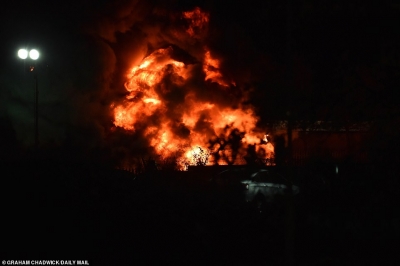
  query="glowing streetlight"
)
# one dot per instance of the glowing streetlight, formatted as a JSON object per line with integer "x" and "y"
{"x": 22, "y": 53}
{"x": 33, "y": 55}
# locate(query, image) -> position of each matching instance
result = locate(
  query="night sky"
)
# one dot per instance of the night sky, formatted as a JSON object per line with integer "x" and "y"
{"x": 298, "y": 61}
{"x": 320, "y": 60}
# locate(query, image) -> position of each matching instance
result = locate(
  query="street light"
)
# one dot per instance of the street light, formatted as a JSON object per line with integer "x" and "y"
{"x": 34, "y": 55}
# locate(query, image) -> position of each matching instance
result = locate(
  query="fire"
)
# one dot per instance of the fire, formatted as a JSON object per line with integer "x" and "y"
{"x": 177, "y": 119}
{"x": 197, "y": 156}
{"x": 198, "y": 21}
{"x": 211, "y": 69}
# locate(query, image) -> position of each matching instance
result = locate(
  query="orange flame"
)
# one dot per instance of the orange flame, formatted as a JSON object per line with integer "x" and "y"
{"x": 173, "y": 118}
{"x": 211, "y": 69}
{"x": 198, "y": 21}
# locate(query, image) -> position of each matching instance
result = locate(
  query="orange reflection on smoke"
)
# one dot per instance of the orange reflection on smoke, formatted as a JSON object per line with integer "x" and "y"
{"x": 198, "y": 21}
{"x": 211, "y": 69}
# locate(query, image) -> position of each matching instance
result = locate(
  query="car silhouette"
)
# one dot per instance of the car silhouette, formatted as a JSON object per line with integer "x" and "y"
{"x": 268, "y": 184}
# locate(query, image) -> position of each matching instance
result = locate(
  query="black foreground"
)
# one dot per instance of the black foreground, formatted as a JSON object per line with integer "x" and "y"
{"x": 112, "y": 217}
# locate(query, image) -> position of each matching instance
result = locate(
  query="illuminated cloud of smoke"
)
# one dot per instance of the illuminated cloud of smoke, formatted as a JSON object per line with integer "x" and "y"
{"x": 140, "y": 29}
{"x": 83, "y": 82}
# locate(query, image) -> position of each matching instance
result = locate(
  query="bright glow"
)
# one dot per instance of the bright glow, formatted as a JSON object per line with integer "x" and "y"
{"x": 200, "y": 121}
{"x": 34, "y": 54}
{"x": 178, "y": 121}
{"x": 22, "y": 53}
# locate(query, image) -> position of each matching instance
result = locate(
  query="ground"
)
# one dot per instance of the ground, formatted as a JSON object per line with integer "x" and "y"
{"x": 111, "y": 217}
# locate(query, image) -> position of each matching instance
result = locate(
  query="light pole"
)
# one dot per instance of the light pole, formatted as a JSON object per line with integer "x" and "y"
{"x": 33, "y": 54}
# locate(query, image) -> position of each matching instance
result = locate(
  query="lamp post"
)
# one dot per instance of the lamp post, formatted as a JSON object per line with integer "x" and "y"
{"x": 33, "y": 54}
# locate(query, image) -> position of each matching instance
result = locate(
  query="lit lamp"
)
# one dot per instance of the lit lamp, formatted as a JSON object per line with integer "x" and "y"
{"x": 34, "y": 55}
